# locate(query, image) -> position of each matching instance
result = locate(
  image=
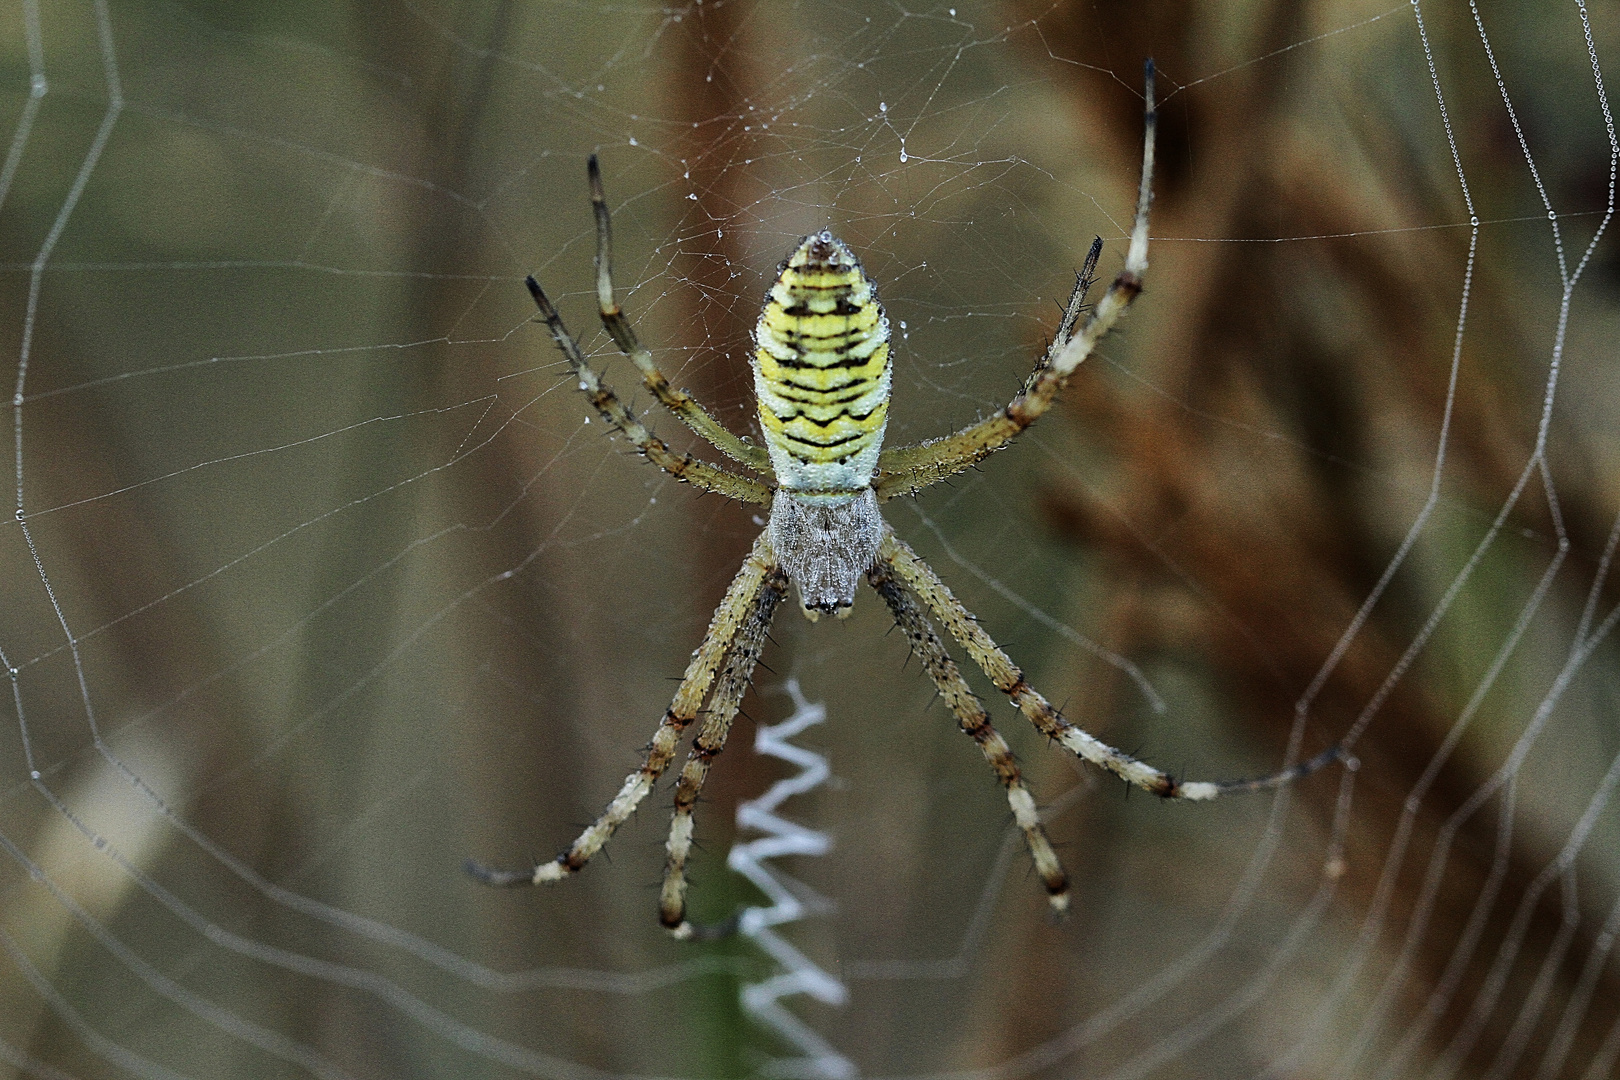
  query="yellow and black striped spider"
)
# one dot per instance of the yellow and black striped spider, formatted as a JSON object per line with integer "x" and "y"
{"x": 821, "y": 374}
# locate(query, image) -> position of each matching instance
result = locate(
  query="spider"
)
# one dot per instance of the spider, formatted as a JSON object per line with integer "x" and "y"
{"x": 821, "y": 375}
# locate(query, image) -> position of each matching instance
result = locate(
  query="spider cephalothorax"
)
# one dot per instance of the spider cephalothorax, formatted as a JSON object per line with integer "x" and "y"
{"x": 822, "y": 374}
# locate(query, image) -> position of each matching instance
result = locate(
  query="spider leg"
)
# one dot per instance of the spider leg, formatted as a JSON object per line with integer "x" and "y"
{"x": 894, "y": 554}
{"x": 975, "y": 723}
{"x": 1083, "y": 281}
{"x": 618, "y": 327}
{"x": 681, "y": 466}
{"x": 729, "y": 689}
{"x": 734, "y": 613}
{"x": 908, "y": 469}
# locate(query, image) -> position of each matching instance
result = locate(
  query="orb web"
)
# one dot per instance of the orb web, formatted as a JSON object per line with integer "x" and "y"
{"x": 323, "y": 577}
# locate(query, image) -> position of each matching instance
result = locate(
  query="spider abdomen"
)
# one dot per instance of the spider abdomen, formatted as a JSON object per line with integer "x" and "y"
{"x": 821, "y": 371}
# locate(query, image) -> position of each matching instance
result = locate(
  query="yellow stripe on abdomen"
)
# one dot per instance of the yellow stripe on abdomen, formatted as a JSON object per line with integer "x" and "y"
{"x": 821, "y": 371}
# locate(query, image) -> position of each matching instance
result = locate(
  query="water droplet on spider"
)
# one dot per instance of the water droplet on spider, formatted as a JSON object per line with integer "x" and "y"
{"x": 583, "y": 385}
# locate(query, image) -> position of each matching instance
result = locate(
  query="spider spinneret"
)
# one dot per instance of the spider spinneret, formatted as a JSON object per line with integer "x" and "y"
{"x": 822, "y": 376}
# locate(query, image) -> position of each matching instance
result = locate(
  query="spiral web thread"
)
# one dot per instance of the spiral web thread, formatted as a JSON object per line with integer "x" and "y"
{"x": 790, "y": 901}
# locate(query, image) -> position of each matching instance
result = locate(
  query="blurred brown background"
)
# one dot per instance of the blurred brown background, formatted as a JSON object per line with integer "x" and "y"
{"x": 343, "y": 587}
